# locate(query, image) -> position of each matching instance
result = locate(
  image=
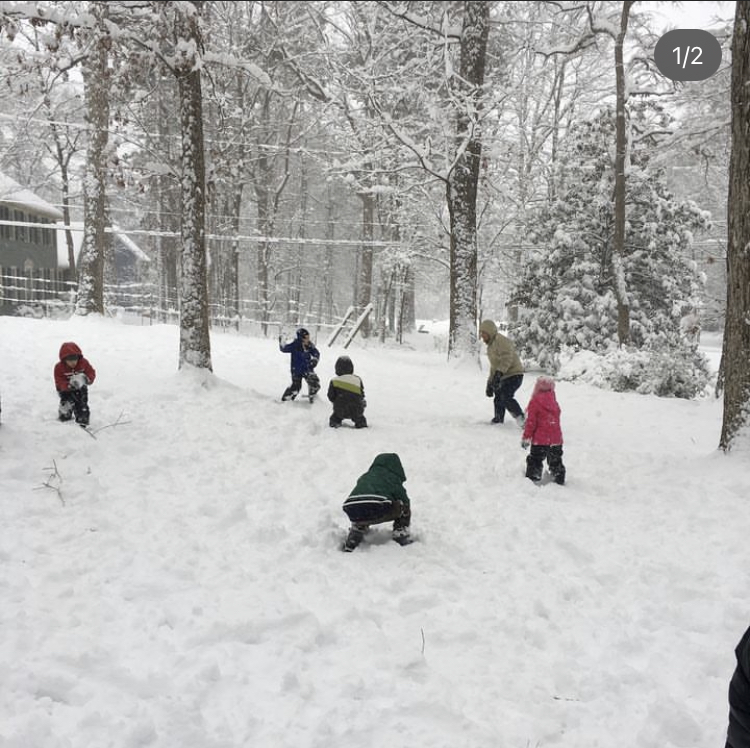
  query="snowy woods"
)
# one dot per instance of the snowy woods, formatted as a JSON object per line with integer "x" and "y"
{"x": 280, "y": 162}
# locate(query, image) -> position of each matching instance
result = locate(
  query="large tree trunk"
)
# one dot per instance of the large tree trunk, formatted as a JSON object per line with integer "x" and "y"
{"x": 621, "y": 155}
{"x": 736, "y": 350}
{"x": 461, "y": 188}
{"x": 195, "y": 342}
{"x": 97, "y": 82}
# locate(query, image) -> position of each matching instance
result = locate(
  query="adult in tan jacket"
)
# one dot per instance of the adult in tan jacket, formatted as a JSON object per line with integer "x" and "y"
{"x": 506, "y": 373}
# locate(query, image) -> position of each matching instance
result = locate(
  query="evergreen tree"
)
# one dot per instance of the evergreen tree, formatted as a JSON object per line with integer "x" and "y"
{"x": 567, "y": 286}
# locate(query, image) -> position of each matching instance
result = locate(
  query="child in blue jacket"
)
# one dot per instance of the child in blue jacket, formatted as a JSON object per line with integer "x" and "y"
{"x": 305, "y": 357}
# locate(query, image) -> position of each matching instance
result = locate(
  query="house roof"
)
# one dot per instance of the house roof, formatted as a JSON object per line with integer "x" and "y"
{"x": 13, "y": 194}
{"x": 76, "y": 230}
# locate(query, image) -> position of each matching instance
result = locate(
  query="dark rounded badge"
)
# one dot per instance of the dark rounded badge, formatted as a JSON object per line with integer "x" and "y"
{"x": 688, "y": 54}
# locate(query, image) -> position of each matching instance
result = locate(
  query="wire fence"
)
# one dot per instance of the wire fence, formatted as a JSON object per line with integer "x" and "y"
{"x": 47, "y": 293}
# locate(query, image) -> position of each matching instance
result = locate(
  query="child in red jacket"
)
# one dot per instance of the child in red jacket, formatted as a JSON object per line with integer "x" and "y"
{"x": 543, "y": 433}
{"x": 73, "y": 373}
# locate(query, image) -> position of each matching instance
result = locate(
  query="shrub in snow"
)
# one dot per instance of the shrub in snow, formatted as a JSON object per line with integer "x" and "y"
{"x": 678, "y": 372}
{"x": 566, "y": 290}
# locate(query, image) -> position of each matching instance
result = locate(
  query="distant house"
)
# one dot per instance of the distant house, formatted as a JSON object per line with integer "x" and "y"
{"x": 27, "y": 248}
{"x": 130, "y": 260}
{"x": 34, "y": 263}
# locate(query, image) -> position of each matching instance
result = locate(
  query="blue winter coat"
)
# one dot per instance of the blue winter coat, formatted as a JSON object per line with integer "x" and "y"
{"x": 304, "y": 360}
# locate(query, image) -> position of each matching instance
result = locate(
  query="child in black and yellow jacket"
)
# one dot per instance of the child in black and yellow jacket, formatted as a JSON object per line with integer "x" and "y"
{"x": 347, "y": 393}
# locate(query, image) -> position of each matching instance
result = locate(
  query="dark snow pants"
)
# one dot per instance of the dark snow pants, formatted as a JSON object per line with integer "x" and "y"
{"x": 399, "y": 512}
{"x": 348, "y": 408}
{"x": 553, "y": 455}
{"x": 74, "y": 402}
{"x": 313, "y": 385}
{"x": 505, "y": 389}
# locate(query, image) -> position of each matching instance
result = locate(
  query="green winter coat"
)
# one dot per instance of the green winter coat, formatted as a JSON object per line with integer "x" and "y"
{"x": 501, "y": 353}
{"x": 384, "y": 478}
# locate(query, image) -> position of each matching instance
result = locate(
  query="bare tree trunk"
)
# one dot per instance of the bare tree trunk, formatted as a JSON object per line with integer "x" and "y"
{"x": 461, "y": 188}
{"x": 326, "y": 300}
{"x": 736, "y": 349}
{"x": 63, "y": 161}
{"x": 233, "y": 265}
{"x": 294, "y": 306}
{"x": 263, "y": 259}
{"x": 408, "y": 317}
{"x": 364, "y": 285}
{"x": 621, "y": 155}
{"x": 97, "y": 83}
{"x": 195, "y": 341}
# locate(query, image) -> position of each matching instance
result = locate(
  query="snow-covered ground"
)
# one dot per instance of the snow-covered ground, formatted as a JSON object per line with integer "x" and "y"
{"x": 173, "y": 578}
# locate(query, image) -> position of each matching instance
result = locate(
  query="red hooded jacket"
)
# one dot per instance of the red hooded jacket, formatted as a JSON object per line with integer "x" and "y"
{"x": 543, "y": 415}
{"x": 63, "y": 372}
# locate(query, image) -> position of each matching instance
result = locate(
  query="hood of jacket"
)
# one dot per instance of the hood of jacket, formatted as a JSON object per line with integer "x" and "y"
{"x": 489, "y": 327}
{"x": 69, "y": 349}
{"x": 343, "y": 365}
{"x": 543, "y": 384}
{"x": 391, "y": 462}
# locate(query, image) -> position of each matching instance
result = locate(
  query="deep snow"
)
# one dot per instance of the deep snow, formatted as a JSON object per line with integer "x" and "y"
{"x": 173, "y": 578}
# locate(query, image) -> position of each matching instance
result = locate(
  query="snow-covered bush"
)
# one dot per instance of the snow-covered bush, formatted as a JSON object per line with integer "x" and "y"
{"x": 679, "y": 372}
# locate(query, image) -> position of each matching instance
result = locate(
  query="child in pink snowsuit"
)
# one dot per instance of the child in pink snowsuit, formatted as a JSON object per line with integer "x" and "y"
{"x": 543, "y": 433}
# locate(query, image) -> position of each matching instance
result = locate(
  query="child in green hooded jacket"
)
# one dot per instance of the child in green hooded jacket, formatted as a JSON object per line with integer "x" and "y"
{"x": 379, "y": 496}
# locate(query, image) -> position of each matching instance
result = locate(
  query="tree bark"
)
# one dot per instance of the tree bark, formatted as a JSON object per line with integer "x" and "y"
{"x": 97, "y": 83}
{"x": 364, "y": 278}
{"x": 736, "y": 347}
{"x": 195, "y": 342}
{"x": 621, "y": 155}
{"x": 461, "y": 186}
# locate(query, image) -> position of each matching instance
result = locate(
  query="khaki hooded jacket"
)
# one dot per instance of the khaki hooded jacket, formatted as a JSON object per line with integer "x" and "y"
{"x": 501, "y": 353}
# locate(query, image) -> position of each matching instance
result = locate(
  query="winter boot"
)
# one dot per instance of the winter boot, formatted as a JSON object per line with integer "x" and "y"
{"x": 401, "y": 532}
{"x": 360, "y": 423}
{"x": 353, "y": 539}
{"x": 313, "y": 385}
{"x": 65, "y": 410}
{"x": 334, "y": 422}
{"x": 402, "y": 536}
{"x": 521, "y": 421}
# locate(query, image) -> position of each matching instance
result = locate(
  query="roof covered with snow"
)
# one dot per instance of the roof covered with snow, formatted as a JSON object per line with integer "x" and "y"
{"x": 76, "y": 230}
{"x": 13, "y": 194}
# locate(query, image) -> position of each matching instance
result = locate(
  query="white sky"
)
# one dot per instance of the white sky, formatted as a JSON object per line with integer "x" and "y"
{"x": 691, "y": 14}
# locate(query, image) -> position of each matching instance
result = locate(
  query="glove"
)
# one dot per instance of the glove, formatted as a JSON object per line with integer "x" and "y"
{"x": 525, "y": 443}
{"x": 488, "y": 390}
{"x": 78, "y": 380}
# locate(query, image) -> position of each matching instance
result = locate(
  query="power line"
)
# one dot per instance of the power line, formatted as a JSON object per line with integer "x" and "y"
{"x": 256, "y": 239}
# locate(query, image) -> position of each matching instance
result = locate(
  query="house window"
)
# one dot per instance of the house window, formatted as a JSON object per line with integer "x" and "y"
{"x": 18, "y": 215}
{"x": 4, "y": 216}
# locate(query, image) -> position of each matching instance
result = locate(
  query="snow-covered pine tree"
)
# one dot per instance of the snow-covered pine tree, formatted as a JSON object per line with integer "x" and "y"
{"x": 566, "y": 288}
